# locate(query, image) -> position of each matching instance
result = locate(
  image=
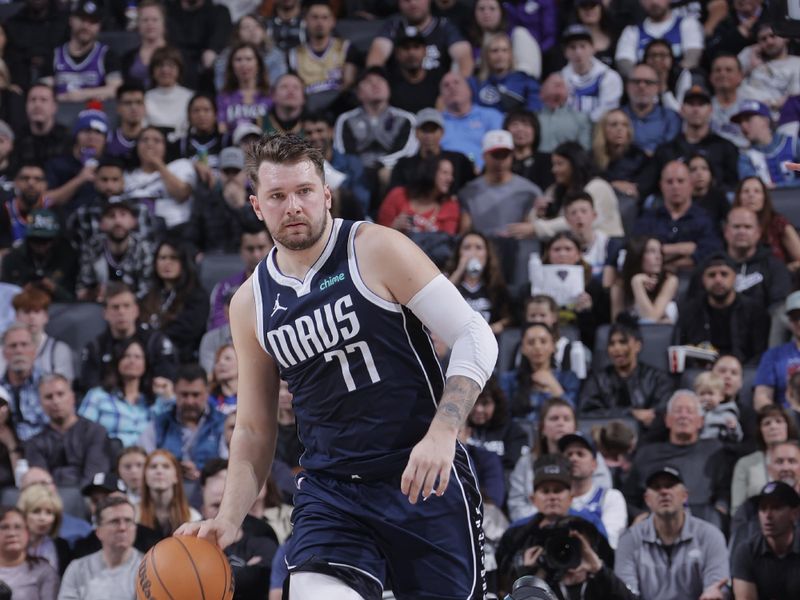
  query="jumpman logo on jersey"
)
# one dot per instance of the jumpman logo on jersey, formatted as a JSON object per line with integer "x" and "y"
{"x": 277, "y": 306}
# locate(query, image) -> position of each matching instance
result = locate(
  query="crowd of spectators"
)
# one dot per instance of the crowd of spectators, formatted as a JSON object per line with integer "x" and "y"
{"x": 602, "y": 180}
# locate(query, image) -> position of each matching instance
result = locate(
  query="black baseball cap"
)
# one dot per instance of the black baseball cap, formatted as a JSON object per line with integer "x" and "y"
{"x": 118, "y": 202}
{"x": 697, "y": 92}
{"x": 552, "y": 467}
{"x": 577, "y": 438}
{"x": 575, "y": 32}
{"x": 781, "y": 492}
{"x": 88, "y": 9}
{"x": 669, "y": 470}
{"x": 718, "y": 259}
{"x": 374, "y": 70}
{"x": 107, "y": 482}
{"x": 410, "y": 35}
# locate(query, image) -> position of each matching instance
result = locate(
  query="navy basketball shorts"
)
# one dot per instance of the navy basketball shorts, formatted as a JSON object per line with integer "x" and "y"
{"x": 361, "y": 532}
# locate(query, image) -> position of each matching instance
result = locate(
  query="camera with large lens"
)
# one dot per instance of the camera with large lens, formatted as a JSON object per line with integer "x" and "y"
{"x": 561, "y": 552}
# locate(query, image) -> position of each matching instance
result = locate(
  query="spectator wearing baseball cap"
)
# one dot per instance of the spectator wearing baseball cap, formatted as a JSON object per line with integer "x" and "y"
{"x": 552, "y": 497}
{"x": 768, "y": 564}
{"x": 429, "y": 129}
{"x": 606, "y": 504}
{"x": 773, "y": 371}
{"x": 70, "y": 176}
{"x": 594, "y": 88}
{"x": 102, "y": 486}
{"x": 722, "y": 317}
{"x": 46, "y": 258}
{"x": 497, "y": 198}
{"x": 117, "y": 252}
{"x": 698, "y": 138}
{"x": 447, "y": 48}
{"x": 769, "y": 150}
{"x": 84, "y": 68}
{"x": 671, "y": 555}
{"x": 413, "y": 87}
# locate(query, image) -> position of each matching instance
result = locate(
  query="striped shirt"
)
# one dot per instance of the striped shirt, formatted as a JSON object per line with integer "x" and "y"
{"x": 122, "y": 420}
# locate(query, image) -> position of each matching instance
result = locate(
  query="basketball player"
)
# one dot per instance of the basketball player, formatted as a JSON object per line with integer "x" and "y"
{"x": 338, "y": 310}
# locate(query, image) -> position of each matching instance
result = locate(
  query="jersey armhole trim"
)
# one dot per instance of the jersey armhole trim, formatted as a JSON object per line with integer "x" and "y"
{"x": 355, "y": 274}
{"x": 259, "y": 304}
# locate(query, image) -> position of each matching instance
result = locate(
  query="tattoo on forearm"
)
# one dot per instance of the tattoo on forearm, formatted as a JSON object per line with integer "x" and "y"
{"x": 459, "y": 395}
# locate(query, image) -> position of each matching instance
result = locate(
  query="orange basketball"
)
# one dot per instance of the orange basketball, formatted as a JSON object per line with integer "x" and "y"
{"x": 184, "y": 568}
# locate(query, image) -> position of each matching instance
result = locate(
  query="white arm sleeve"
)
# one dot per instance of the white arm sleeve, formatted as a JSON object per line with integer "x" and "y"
{"x": 445, "y": 312}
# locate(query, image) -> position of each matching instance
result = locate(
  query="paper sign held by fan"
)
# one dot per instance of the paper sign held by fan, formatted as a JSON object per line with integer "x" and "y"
{"x": 563, "y": 283}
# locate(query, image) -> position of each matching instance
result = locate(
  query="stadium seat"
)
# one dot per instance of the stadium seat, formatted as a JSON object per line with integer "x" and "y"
{"x": 216, "y": 267}
{"x": 74, "y": 503}
{"x": 787, "y": 202}
{"x": 9, "y": 10}
{"x": 745, "y": 395}
{"x": 508, "y": 344}
{"x": 571, "y": 332}
{"x": 628, "y": 211}
{"x": 359, "y": 32}
{"x": 121, "y": 42}
{"x": 76, "y": 324}
{"x": 656, "y": 338}
{"x": 513, "y": 256}
{"x": 67, "y": 112}
{"x": 586, "y": 424}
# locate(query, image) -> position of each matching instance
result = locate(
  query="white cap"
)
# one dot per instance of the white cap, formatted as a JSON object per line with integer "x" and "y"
{"x": 243, "y": 130}
{"x": 497, "y": 139}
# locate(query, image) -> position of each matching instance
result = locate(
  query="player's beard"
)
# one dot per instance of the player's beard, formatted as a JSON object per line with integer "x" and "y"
{"x": 303, "y": 243}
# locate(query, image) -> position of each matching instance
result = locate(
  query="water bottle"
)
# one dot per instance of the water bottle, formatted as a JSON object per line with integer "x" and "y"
{"x": 534, "y": 271}
{"x": 474, "y": 267}
{"x": 89, "y": 157}
{"x": 19, "y": 471}
{"x": 131, "y": 15}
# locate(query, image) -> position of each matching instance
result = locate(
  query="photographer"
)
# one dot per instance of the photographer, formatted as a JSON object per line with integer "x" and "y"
{"x": 567, "y": 551}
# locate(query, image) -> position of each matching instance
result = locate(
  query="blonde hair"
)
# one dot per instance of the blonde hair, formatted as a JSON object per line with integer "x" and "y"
{"x": 483, "y": 72}
{"x": 39, "y": 496}
{"x": 602, "y": 157}
{"x": 709, "y": 380}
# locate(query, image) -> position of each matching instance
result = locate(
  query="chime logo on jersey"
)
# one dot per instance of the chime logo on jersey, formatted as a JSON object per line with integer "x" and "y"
{"x": 311, "y": 335}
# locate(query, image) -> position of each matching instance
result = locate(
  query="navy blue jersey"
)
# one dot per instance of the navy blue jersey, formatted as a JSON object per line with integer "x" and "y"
{"x": 363, "y": 371}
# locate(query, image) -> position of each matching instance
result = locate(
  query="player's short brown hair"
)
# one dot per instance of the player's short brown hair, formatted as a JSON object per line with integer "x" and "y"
{"x": 282, "y": 148}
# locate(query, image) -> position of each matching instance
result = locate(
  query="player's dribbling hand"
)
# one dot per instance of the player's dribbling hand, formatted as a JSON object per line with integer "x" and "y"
{"x": 222, "y": 533}
{"x": 431, "y": 459}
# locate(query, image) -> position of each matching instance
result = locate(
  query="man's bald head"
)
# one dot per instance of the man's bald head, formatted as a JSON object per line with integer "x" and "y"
{"x": 676, "y": 187}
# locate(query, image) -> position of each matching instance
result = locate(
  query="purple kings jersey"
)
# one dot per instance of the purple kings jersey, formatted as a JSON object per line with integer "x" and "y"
{"x": 88, "y": 73}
